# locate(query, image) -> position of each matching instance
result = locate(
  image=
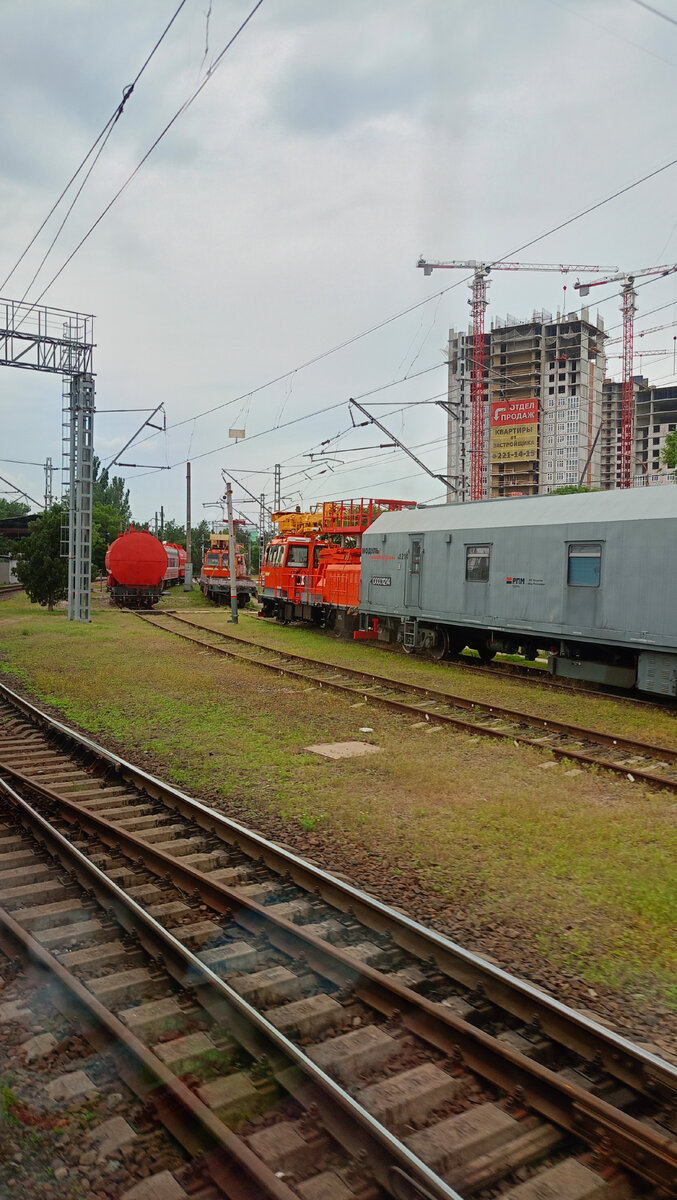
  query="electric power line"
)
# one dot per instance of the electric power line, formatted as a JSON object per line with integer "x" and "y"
{"x": 656, "y": 11}
{"x": 186, "y": 104}
{"x": 413, "y": 307}
{"x": 105, "y": 134}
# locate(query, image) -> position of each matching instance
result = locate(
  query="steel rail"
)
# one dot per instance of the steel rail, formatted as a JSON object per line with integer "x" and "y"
{"x": 383, "y": 1148}
{"x": 233, "y": 1166}
{"x": 660, "y": 753}
{"x": 10, "y": 589}
{"x": 649, "y": 1154}
{"x": 638, "y": 1067}
{"x": 550, "y": 725}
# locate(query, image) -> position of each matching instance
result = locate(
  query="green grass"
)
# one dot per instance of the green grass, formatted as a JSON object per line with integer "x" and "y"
{"x": 647, "y": 723}
{"x": 580, "y": 866}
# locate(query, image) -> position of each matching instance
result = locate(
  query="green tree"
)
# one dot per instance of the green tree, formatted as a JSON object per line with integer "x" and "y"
{"x": 173, "y": 532}
{"x": 571, "y": 489}
{"x": 13, "y": 508}
{"x": 40, "y": 568}
{"x": 107, "y": 524}
{"x": 669, "y": 453}
{"x": 111, "y": 493}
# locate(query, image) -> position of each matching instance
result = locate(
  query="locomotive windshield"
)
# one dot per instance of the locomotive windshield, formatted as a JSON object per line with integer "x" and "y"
{"x": 212, "y": 559}
{"x": 297, "y": 556}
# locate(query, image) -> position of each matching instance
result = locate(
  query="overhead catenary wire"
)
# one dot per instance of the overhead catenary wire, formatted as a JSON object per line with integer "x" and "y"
{"x": 419, "y": 304}
{"x": 656, "y": 11}
{"x": 105, "y": 134}
{"x": 186, "y": 104}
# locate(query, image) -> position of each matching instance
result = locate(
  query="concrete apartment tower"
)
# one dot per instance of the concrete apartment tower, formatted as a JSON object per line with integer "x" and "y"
{"x": 655, "y": 417}
{"x": 543, "y": 404}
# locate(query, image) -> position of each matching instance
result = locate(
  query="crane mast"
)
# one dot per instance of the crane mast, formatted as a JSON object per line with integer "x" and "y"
{"x": 628, "y": 310}
{"x": 478, "y": 304}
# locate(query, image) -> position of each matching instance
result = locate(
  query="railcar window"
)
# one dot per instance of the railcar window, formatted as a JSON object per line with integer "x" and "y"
{"x": 297, "y": 556}
{"x": 415, "y": 567}
{"x": 477, "y": 563}
{"x": 212, "y": 559}
{"x": 585, "y": 564}
{"x": 316, "y": 555}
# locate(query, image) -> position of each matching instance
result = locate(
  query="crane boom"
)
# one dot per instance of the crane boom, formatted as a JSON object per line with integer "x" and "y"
{"x": 472, "y": 264}
{"x": 481, "y": 271}
{"x": 628, "y": 309}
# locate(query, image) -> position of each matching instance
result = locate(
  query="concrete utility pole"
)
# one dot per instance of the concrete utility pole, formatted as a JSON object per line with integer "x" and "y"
{"x": 162, "y": 524}
{"x": 277, "y": 486}
{"x": 188, "y": 582}
{"x": 232, "y": 555}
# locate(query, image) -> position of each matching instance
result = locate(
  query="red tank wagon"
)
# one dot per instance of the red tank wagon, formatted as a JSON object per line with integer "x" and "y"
{"x": 136, "y": 563}
{"x": 176, "y": 564}
{"x": 311, "y": 570}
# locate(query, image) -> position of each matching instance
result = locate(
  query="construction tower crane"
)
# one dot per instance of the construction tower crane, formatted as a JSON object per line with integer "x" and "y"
{"x": 628, "y": 309}
{"x": 478, "y": 304}
{"x": 643, "y": 332}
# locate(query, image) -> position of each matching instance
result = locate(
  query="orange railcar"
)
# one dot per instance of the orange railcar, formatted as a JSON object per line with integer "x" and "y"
{"x": 311, "y": 569}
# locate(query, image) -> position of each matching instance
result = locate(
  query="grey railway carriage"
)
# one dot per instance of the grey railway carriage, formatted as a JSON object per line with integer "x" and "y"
{"x": 591, "y": 578}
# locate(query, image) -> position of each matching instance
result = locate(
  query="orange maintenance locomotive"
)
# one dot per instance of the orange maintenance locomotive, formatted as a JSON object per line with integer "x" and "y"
{"x": 215, "y": 575}
{"x": 311, "y": 568}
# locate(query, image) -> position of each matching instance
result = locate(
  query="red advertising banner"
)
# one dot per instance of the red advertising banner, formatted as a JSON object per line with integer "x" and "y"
{"x": 513, "y": 412}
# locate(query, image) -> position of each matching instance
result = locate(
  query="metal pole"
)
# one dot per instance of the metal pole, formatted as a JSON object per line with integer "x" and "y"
{"x": 188, "y": 581}
{"x": 628, "y": 304}
{"x": 262, "y": 527}
{"x": 162, "y": 523}
{"x": 277, "y": 488}
{"x": 49, "y": 475}
{"x": 232, "y": 555}
{"x": 478, "y": 305}
{"x": 80, "y": 515}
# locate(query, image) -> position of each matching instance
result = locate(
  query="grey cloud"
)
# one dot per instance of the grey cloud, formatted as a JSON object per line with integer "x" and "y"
{"x": 326, "y": 100}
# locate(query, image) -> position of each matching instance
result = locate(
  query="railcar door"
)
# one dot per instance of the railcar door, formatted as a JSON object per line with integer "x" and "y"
{"x": 412, "y": 591}
{"x": 584, "y": 580}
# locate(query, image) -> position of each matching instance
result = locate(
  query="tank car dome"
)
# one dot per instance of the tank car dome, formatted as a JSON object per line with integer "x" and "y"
{"x": 137, "y": 559}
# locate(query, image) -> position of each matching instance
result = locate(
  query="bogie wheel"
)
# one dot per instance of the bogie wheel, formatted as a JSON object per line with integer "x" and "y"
{"x": 441, "y": 648}
{"x": 485, "y": 651}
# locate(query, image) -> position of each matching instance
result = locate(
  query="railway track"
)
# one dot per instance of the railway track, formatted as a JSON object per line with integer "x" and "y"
{"x": 10, "y": 589}
{"x": 331, "y": 1047}
{"x": 635, "y": 760}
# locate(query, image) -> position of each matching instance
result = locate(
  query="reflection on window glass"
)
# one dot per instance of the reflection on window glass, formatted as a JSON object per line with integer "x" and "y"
{"x": 212, "y": 559}
{"x": 415, "y": 567}
{"x": 585, "y": 564}
{"x": 477, "y": 563}
{"x": 297, "y": 556}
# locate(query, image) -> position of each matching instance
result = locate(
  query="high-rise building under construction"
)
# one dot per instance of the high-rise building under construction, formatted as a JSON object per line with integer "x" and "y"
{"x": 543, "y": 404}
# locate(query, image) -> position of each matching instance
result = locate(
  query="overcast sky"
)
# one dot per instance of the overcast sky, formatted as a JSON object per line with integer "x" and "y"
{"x": 285, "y": 211}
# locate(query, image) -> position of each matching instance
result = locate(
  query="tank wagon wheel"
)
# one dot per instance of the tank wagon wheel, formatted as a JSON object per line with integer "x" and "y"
{"x": 242, "y": 599}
